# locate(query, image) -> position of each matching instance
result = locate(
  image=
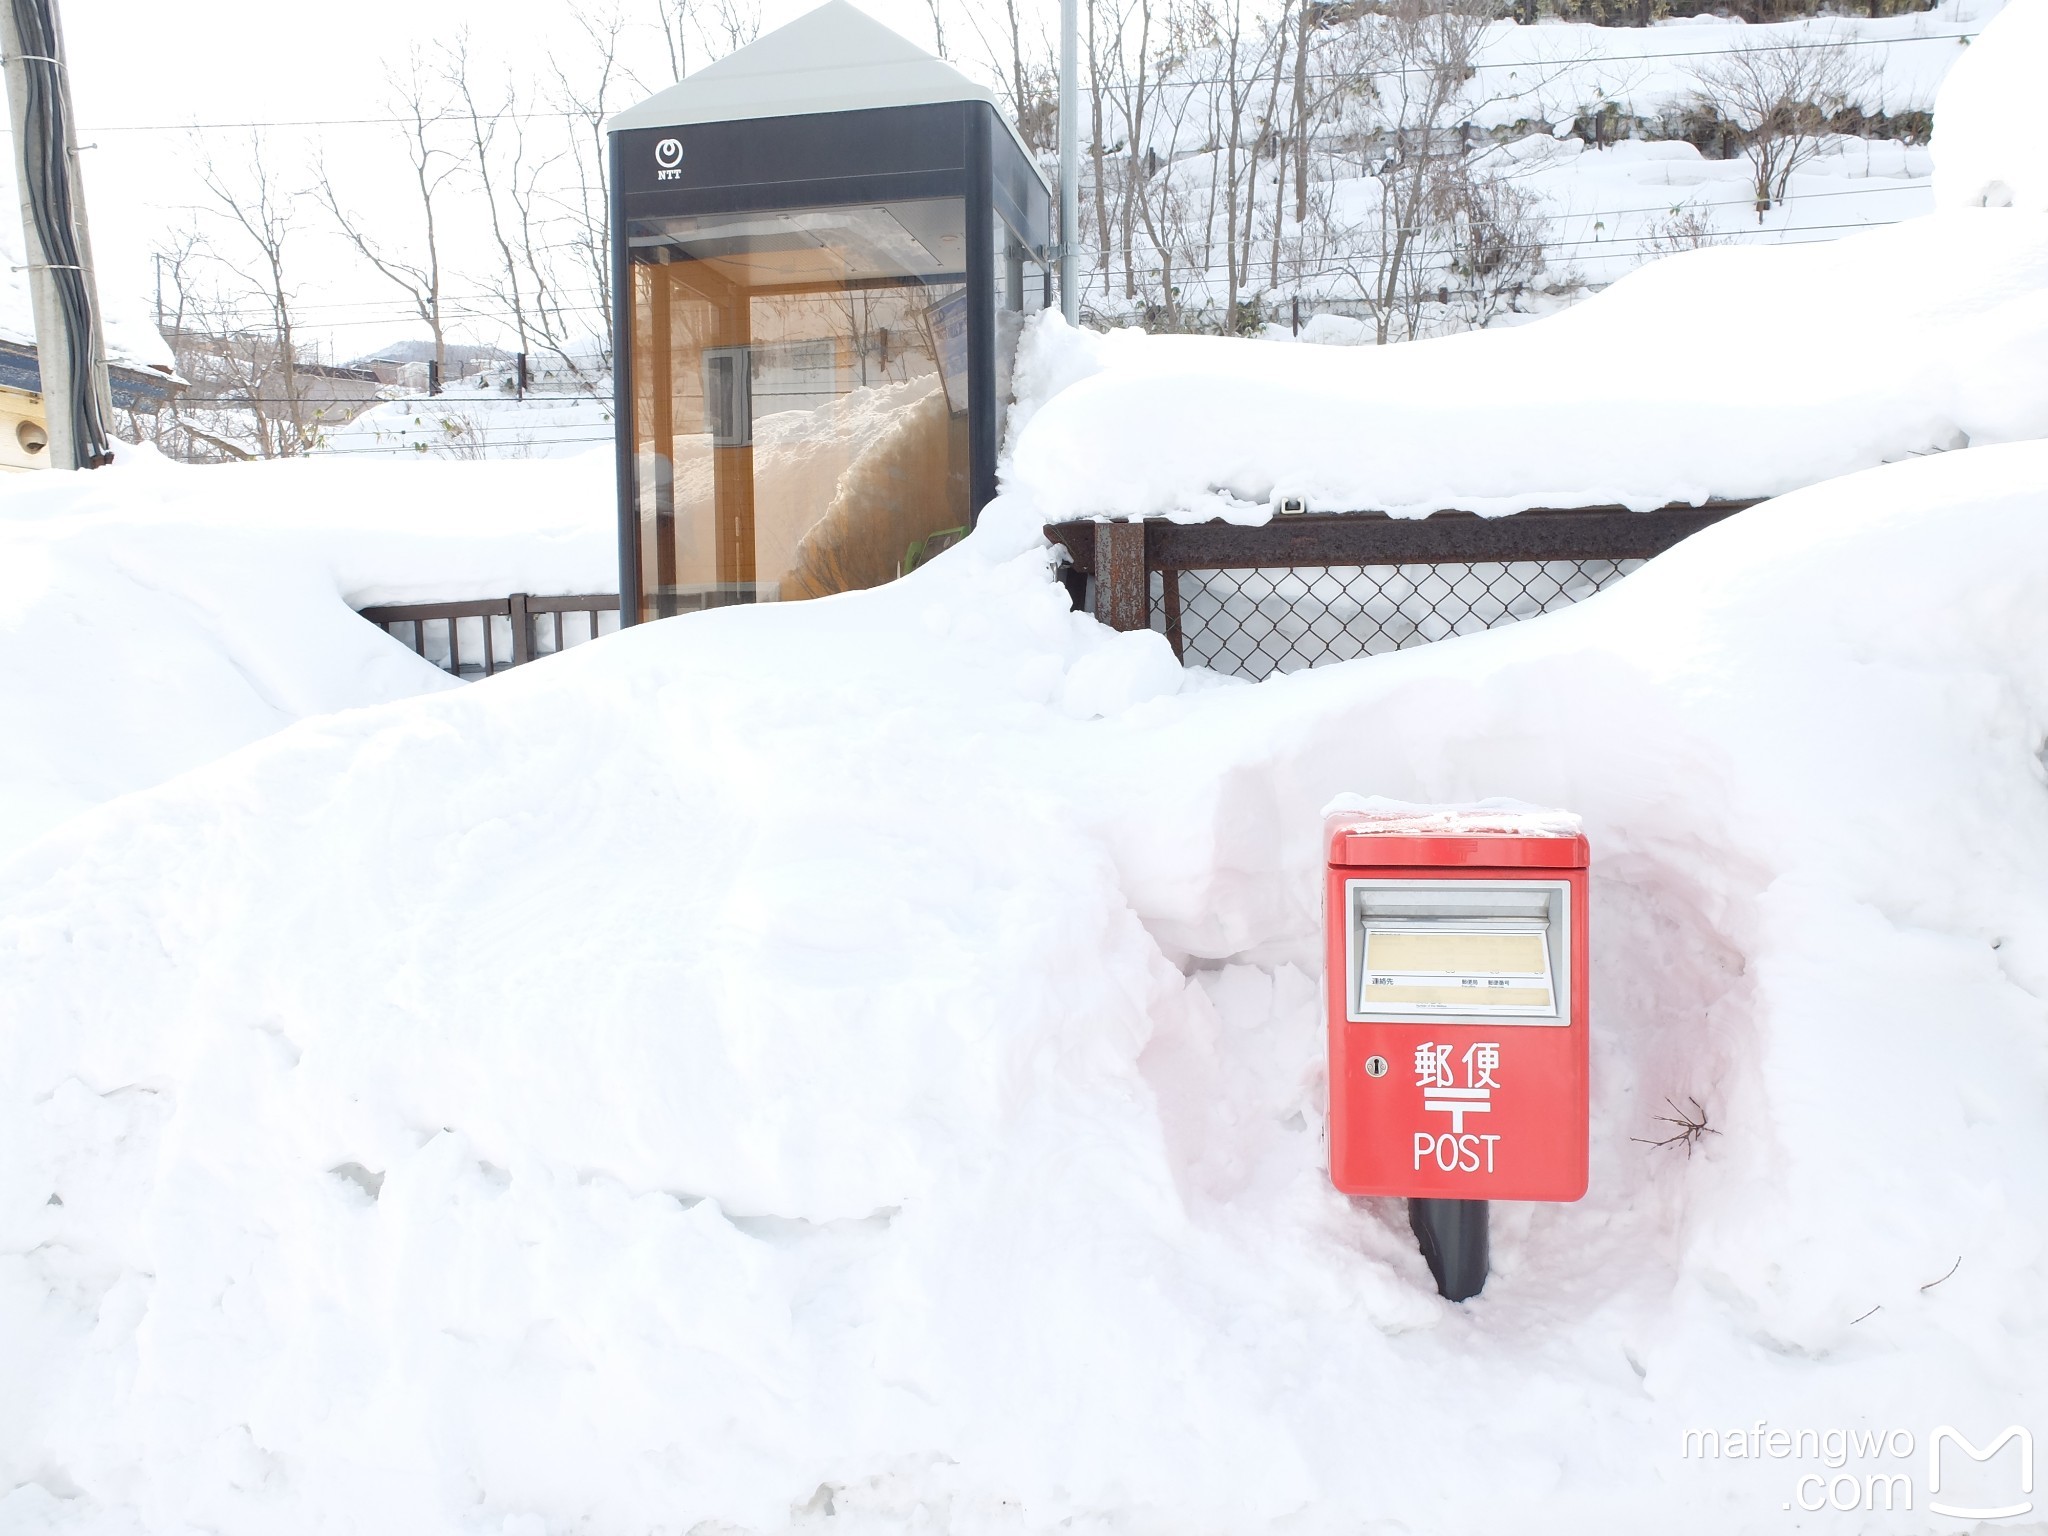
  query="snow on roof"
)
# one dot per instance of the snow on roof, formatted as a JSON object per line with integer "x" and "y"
{"x": 132, "y": 339}
{"x": 833, "y": 59}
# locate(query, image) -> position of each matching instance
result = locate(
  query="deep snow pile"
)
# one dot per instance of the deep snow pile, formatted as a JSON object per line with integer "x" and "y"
{"x": 154, "y": 616}
{"x": 1729, "y": 372}
{"x": 1988, "y": 147}
{"x": 861, "y": 1060}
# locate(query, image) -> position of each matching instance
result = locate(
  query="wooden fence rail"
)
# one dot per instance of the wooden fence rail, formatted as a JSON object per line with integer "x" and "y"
{"x": 523, "y": 614}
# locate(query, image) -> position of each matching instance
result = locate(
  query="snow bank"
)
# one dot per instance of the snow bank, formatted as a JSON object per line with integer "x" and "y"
{"x": 154, "y": 616}
{"x": 860, "y": 1060}
{"x": 1728, "y": 372}
{"x": 1989, "y": 151}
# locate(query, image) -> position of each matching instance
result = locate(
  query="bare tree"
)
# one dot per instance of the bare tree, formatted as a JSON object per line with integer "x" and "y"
{"x": 258, "y": 217}
{"x": 1273, "y": 134}
{"x": 1132, "y": 96}
{"x": 673, "y": 17}
{"x": 1244, "y": 64}
{"x": 1496, "y": 242}
{"x": 733, "y": 24}
{"x": 497, "y": 152}
{"x": 584, "y": 92}
{"x": 1430, "y": 49}
{"x": 1305, "y": 29}
{"x": 1098, "y": 191}
{"x": 1684, "y": 228}
{"x": 1781, "y": 96}
{"x": 418, "y": 275}
{"x": 1028, "y": 74}
{"x": 246, "y": 395}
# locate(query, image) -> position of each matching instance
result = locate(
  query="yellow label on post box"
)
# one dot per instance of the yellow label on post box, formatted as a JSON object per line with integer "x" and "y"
{"x": 1456, "y": 967}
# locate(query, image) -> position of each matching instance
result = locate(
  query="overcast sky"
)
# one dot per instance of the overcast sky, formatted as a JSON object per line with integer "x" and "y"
{"x": 144, "y": 70}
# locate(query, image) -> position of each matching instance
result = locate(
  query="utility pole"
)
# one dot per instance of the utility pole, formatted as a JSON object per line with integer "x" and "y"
{"x": 1070, "y": 158}
{"x": 70, "y": 356}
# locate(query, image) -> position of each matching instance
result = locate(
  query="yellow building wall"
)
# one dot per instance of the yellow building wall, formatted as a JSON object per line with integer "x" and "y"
{"x": 24, "y": 431}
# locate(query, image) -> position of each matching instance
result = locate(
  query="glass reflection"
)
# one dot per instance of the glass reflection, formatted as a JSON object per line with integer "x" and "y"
{"x": 800, "y": 397}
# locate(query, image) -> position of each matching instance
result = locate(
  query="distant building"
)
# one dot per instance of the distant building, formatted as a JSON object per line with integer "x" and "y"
{"x": 25, "y": 428}
{"x": 141, "y": 371}
{"x": 244, "y": 402}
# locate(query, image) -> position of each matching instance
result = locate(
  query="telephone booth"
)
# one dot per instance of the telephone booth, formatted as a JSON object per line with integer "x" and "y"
{"x": 824, "y": 247}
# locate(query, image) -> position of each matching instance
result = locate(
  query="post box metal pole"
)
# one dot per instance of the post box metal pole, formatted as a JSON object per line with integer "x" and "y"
{"x": 1452, "y": 1235}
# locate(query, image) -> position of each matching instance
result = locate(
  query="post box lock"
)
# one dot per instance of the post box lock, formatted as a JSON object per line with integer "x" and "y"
{"x": 1456, "y": 959}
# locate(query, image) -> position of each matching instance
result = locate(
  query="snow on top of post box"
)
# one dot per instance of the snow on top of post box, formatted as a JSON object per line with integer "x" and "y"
{"x": 1473, "y": 818}
{"x": 1374, "y": 830}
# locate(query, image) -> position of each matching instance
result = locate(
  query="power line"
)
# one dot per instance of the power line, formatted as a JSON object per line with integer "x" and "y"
{"x": 395, "y": 312}
{"x": 409, "y": 452}
{"x": 562, "y": 115}
{"x": 1564, "y": 65}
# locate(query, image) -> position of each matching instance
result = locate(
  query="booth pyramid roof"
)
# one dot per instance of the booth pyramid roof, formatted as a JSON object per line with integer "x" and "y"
{"x": 832, "y": 59}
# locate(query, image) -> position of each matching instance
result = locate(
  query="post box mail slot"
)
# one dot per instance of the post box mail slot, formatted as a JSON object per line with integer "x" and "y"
{"x": 1456, "y": 981}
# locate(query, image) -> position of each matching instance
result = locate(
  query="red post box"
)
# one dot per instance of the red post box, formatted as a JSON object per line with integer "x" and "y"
{"x": 1456, "y": 983}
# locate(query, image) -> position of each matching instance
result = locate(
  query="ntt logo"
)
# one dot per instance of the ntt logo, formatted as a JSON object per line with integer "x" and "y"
{"x": 668, "y": 159}
{"x": 1965, "y": 1480}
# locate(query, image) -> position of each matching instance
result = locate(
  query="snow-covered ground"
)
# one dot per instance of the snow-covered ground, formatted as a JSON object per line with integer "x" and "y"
{"x": 154, "y": 615}
{"x": 1607, "y": 211}
{"x": 861, "y": 1059}
{"x": 468, "y": 423}
{"x": 1555, "y": 70}
{"x": 856, "y": 1065}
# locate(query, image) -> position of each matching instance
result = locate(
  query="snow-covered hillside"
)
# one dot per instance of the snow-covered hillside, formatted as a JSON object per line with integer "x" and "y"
{"x": 1457, "y": 172}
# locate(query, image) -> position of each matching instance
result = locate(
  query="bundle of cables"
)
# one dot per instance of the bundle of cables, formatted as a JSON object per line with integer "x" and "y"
{"x": 46, "y": 162}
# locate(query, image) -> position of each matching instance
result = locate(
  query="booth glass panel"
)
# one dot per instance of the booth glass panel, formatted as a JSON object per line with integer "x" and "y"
{"x": 800, "y": 399}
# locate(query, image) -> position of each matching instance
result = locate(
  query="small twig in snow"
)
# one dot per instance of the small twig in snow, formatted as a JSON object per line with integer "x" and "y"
{"x": 1930, "y": 1285}
{"x": 1690, "y": 1127}
{"x": 1871, "y": 1313}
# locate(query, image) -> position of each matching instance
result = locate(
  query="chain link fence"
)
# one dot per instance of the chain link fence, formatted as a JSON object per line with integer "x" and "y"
{"x": 1258, "y": 621}
{"x": 1305, "y": 588}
